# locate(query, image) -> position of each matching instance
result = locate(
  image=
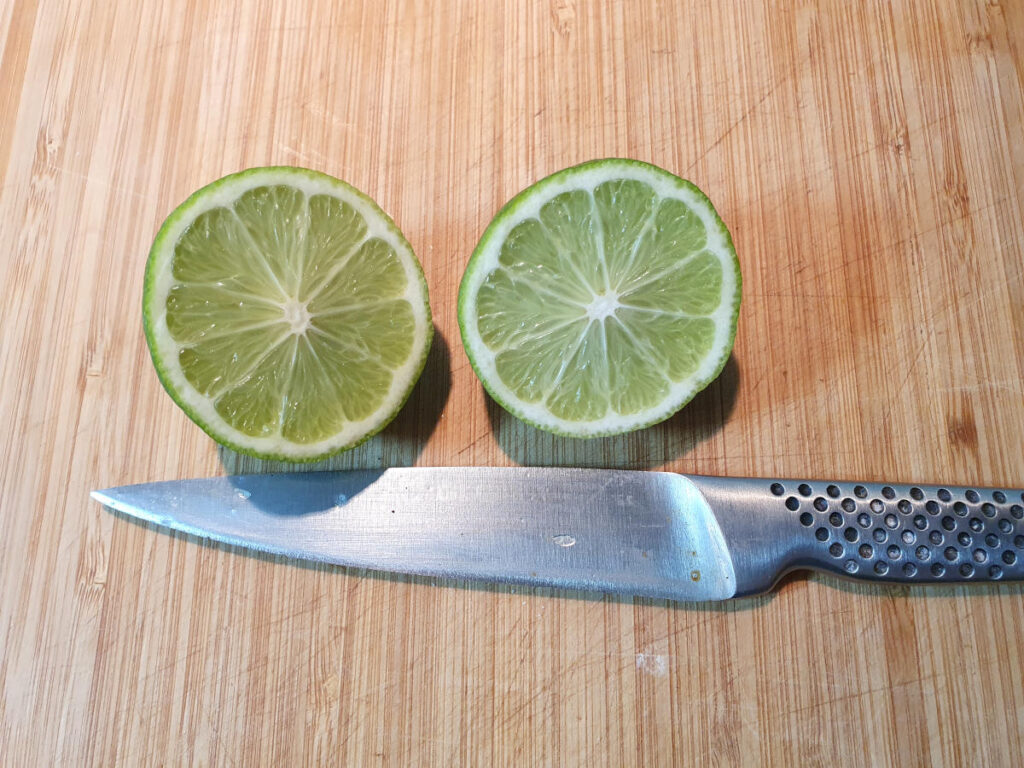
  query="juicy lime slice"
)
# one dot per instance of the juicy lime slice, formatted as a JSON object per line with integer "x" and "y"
{"x": 285, "y": 313}
{"x": 601, "y": 299}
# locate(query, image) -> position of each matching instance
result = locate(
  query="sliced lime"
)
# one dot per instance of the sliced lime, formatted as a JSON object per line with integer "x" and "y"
{"x": 285, "y": 313}
{"x": 601, "y": 299}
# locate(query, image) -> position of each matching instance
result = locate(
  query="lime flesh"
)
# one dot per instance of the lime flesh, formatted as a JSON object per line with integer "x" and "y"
{"x": 285, "y": 313}
{"x": 601, "y": 299}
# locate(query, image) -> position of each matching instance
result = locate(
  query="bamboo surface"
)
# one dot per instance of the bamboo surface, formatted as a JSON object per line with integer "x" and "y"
{"x": 868, "y": 159}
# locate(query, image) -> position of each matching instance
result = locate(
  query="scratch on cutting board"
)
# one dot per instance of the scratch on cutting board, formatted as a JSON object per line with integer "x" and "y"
{"x": 306, "y": 158}
{"x": 1010, "y": 385}
{"x": 326, "y": 116}
{"x": 653, "y": 664}
{"x": 747, "y": 113}
{"x": 61, "y": 170}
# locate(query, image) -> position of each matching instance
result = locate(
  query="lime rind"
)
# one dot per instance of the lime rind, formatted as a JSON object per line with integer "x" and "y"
{"x": 164, "y": 349}
{"x": 527, "y": 205}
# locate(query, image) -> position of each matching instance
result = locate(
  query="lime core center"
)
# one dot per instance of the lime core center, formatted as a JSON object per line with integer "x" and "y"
{"x": 603, "y": 306}
{"x": 297, "y": 316}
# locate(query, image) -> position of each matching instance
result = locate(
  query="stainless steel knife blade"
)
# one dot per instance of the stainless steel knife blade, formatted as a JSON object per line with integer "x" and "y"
{"x": 651, "y": 534}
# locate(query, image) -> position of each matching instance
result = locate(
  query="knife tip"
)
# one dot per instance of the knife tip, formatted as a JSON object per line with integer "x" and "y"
{"x": 102, "y": 497}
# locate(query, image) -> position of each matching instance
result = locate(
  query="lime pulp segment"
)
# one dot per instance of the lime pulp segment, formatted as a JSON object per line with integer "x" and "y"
{"x": 601, "y": 299}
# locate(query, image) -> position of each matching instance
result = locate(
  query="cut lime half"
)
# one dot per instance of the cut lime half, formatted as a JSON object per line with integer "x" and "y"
{"x": 601, "y": 299}
{"x": 285, "y": 313}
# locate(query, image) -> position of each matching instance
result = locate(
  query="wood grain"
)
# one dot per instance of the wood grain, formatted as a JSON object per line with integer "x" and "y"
{"x": 868, "y": 158}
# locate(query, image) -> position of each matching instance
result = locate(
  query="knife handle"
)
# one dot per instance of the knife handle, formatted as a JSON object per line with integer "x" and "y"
{"x": 909, "y": 534}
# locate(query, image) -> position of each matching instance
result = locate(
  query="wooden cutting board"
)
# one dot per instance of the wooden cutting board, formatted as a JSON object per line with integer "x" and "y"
{"x": 868, "y": 159}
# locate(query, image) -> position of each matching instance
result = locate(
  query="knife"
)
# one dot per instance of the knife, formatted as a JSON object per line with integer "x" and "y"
{"x": 649, "y": 534}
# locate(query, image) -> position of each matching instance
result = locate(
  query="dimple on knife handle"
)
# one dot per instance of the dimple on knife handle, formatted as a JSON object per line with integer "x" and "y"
{"x": 897, "y": 533}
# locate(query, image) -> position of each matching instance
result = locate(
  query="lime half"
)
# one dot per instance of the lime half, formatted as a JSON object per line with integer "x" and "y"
{"x": 601, "y": 299}
{"x": 285, "y": 313}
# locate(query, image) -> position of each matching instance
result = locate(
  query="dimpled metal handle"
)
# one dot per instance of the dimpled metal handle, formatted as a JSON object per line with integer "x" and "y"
{"x": 911, "y": 534}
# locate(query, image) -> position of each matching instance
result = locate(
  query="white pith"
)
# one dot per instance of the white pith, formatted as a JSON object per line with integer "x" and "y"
{"x": 296, "y": 314}
{"x": 603, "y": 305}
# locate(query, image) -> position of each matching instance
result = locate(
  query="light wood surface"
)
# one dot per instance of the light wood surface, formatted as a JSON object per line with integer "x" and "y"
{"x": 869, "y": 161}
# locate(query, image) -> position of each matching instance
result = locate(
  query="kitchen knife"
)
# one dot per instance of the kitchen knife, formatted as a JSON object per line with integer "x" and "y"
{"x": 653, "y": 534}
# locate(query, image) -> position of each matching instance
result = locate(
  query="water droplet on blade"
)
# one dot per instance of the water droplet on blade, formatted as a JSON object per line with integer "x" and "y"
{"x": 341, "y": 499}
{"x": 243, "y": 494}
{"x": 564, "y": 540}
